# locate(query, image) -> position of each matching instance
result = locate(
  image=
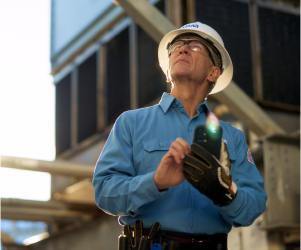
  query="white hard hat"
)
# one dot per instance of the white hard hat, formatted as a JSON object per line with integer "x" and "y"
{"x": 213, "y": 38}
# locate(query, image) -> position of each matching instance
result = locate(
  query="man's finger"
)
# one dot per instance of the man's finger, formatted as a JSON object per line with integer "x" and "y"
{"x": 184, "y": 144}
{"x": 181, "y": 146}
{"x": 176, "y": 155}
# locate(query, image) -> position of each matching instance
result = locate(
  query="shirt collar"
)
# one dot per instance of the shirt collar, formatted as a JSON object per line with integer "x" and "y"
{"x": 167, "y": 101}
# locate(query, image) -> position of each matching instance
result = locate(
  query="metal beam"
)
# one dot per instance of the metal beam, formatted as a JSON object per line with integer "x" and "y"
{"x": 191, "y": 11}
{"x": 81, "y": 192}
{"x": 101, "y": 88}
{"x": 285, "y": 8}
{"x": 241, "y": 105}
{"x": 256, "y": 51}
{"x": 247, "y": 111}
{"x": 173, "y": 10}
{"x": 134, "y": 66}
{"x": 148, "y": 17}
{"x": 38, "y": 214}
{"x": 16, "y": 209}
{"x": 74, "y": 106}
{"x": 52, "y": 167}
{"x": 86, "y": 38}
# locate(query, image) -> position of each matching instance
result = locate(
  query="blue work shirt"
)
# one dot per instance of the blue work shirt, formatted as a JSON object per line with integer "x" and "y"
{"x": 124, "y": 174}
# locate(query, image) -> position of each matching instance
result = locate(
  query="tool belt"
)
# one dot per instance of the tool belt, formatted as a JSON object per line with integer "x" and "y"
{"x": 139, "y": 238}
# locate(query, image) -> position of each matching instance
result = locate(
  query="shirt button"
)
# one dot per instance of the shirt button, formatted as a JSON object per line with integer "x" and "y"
{"x": 161, "y": 144}
{"x": 151, "y": 195}
{"x": 195, "y": 208}
{"x": 190, "y": 130}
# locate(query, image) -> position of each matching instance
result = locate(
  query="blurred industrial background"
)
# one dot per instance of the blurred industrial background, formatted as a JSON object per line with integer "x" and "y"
{"x": 104, "y": 61}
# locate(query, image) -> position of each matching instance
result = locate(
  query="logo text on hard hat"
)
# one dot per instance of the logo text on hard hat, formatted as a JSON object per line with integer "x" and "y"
{"x": 190, "y": 25}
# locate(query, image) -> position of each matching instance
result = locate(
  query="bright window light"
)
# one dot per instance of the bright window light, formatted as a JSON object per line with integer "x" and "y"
{"x": 27, "y": 92}
{"x": 35, "y": 238}
{"x": 24, "y": 184}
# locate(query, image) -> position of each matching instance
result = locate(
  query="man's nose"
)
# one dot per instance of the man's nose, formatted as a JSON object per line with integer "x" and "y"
{"x": 184, "y": 49}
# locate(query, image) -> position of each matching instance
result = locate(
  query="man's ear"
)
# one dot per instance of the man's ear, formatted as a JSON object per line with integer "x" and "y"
{"x": 214, "y": 74}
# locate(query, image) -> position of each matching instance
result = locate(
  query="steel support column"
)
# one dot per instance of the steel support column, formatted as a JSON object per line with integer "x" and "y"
{"x": 101, "y": 88}
{"x": 282, "y": 182}
{"x": 191, "y": 11}
{"x": 173, "y": 10}
{"x": 134, "y": 66}
{"x": 74, "y": 105}
{"x": 256, "y": 51}
{"x": 154, "y": 23}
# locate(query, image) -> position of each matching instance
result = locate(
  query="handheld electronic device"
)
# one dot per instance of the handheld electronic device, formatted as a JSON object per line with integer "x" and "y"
{"x": 209, "y": 137}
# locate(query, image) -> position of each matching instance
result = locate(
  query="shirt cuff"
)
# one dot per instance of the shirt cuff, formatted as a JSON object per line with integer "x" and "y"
{"x": 231, "y": 209}
{"x": 149, "y": 191}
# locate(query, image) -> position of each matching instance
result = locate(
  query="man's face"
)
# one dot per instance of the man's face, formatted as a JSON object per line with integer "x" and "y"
{"x": 188, "y": 64}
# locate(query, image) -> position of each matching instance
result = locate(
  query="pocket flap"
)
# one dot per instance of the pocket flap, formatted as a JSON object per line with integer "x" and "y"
{"x": 157, "y": 144}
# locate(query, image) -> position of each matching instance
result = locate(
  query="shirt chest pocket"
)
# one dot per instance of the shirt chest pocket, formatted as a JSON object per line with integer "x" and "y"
{"x": 154, "y": 150}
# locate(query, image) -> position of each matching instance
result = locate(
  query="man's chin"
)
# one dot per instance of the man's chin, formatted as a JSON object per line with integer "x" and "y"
{"x": 181, "y": 76}
{"x": 183, "y": 71}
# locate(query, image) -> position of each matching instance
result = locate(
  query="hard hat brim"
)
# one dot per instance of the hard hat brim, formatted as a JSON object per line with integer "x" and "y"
{"x": 224, "y": 79}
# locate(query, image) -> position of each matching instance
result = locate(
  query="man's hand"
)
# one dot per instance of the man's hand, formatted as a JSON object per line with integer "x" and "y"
{"x": 170, "y": 170}
{"x": 210, "y": 175}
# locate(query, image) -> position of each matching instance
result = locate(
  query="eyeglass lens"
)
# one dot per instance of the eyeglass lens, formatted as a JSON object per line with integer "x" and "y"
{"x": 192, "y": 45}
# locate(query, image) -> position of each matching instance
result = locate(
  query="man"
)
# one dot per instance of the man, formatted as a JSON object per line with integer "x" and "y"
{"x": 140, "y": 174}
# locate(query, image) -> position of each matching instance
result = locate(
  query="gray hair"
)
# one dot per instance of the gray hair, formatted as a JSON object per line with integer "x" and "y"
{"x": 217, "y": 63}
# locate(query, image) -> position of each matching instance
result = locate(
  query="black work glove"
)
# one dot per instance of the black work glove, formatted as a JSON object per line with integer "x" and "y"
{"x": 210, "y": 175}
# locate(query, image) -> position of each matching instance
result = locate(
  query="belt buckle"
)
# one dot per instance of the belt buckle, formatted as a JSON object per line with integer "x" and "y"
{"x": 196, "y": 241}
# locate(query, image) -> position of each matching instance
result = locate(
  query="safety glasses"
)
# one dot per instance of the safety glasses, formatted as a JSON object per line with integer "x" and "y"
{"x": 194, "y": 45}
